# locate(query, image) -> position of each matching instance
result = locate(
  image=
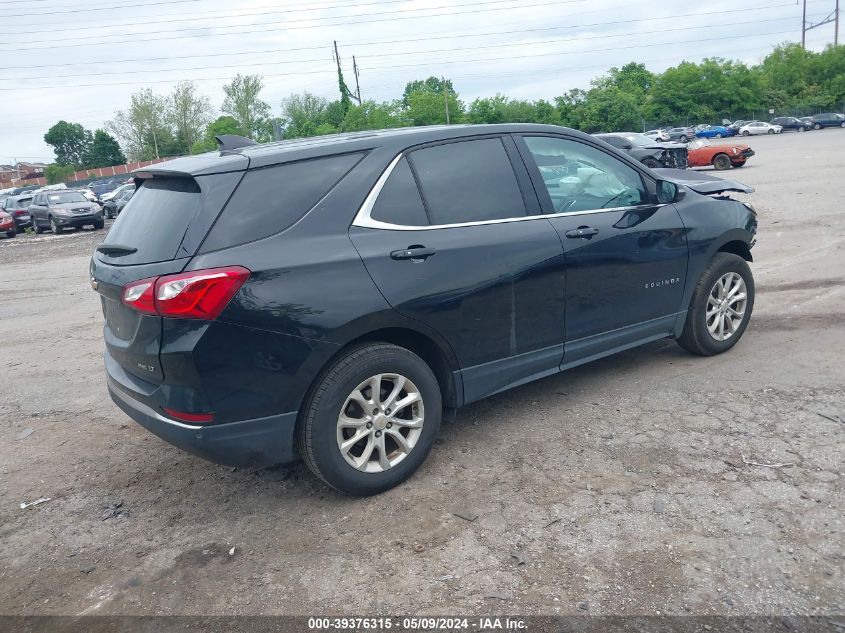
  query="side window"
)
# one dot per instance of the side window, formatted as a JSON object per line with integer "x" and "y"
{"x": 271, "y": 199}
{"x": 579, "y": 177}
{"x": 467, "y": 181}
{"x": 399, "y": 201}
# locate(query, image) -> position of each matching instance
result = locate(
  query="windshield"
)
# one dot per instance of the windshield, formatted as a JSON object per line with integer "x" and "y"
{"x": 638, "y": 139}
{"x": 66, "y": 197}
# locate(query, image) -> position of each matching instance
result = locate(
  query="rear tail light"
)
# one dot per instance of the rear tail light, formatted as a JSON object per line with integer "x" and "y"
{"x": 196, "y": 418}
{"x": 198, "y": 294}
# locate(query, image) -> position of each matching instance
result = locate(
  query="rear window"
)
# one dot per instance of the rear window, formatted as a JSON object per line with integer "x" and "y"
{"x": 271, "y": 199}
{"x": 156, "y": 218}
{"x": 399, "y": 201}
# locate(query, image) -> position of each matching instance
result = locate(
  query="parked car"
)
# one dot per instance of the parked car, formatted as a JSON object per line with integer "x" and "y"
{"x": 649, "y": 152}
{"x": 702, "y": 153}
{"x": 59, "y": 210}
{"x": 658, "y": 135}
{"x": 403, "y": 272}
{"x": 808, "y": 120}
{"x": 714, "y": 131}
{"x": 791, "y": 123}
{"x": 18, "y": 208}
{"x": 827, "y": 119}
{"x": 736, "y": 125}
{"x": 117, "y": 191}
{"x": 7, "y": 225}
{"x": 113, "y": 207}
{"x": 88, "y": 193}
{"x": 102, "y": 187}
{"x": 681, "y": 134}
{"x": 759, "y": 127}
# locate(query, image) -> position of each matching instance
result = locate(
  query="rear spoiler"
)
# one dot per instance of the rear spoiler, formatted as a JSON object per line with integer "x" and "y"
{"x": 702, "y": 182}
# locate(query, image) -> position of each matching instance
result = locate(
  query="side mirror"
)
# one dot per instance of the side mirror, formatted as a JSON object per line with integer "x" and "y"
{"x": 668, "y": 192}
{"x": 627, "y": 146}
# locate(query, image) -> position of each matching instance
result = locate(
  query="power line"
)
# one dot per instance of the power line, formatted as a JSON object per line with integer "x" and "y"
{"x": 435, "y": 36}
{"x": 427, "y": 63}
{"x": 194, "y": 17}
{"x": 305, "y": 27}
{"x": 99, "y": 8}
{"x": 414, "y": 52}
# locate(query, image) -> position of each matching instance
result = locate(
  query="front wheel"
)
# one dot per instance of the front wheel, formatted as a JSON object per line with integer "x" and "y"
{"x": 684, "y": 138}
{"x": 722, "y": 161}
{"x": 721, "y": 306}
{"x": 99, "y": 225}
{"x": 817, "y": 126}
{"x": 801, "y": 129}
{"x": 36, "y": 229}
{"x": 54, "y": 227}
{"x": 371, "y": 420}
{"x": 718, "y": 135}
{"x": 11, "y": 233}
{"x": 770, "y": 132}
{"x": 842, "y": 124}
{"x": 746, "y": 133}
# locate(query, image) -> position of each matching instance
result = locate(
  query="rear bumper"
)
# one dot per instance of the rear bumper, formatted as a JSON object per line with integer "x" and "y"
{"x": 257, "y": 442}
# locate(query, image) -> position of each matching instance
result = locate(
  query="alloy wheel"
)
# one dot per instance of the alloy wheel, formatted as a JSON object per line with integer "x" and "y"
{"x": 726, "y": 305}
{"x": 54, "y": 227}
{"x": 380, "y": 422}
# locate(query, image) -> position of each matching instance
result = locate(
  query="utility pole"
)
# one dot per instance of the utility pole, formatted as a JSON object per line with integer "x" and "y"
{"x": 832, "y": 17}
{"x": 445, "y": 98}
{"x": 358, "y": 85}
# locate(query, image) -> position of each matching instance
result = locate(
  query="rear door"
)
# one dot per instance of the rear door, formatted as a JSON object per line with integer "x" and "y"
{"x": 454, "y": 239}
{"x": 626, "y": 255}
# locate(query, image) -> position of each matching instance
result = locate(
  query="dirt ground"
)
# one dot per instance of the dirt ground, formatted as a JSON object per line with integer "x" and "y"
{"x": 621, "y": 487}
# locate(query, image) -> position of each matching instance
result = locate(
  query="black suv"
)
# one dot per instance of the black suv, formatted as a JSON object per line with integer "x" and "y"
{"x": 791, "y": 123}
{"x": 333, "y": 298}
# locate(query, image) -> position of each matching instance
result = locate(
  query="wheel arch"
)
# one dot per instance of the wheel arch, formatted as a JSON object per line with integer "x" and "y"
{"x": 737, "y": 247}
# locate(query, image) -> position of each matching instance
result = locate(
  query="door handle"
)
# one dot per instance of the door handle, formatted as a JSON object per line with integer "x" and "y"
{"x": 585, "y": 232}
{"x": 413, "y": 252}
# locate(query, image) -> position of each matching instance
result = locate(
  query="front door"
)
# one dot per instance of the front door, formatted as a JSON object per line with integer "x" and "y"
{"x": 626, "y": 255}
{"x": 455, "y": 240}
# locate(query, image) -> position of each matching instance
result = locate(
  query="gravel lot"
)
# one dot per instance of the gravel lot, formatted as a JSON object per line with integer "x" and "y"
{"x": 621, "y": 487}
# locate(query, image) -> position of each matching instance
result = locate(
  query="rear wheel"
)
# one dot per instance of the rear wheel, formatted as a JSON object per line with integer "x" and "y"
{"x": 842, "y": 124}
{"x": 11, "y": 233}
{"x": 721, "y": 161}
{"x": 684, "y": 138}
{"x": 721, "y": 306}
{"x": 371, "y": 420}
{"x": 817, "y": 126}
{"x": 746, "y": 133}
{"x": 718, "y": 135}
{"x": 54, "y": 227}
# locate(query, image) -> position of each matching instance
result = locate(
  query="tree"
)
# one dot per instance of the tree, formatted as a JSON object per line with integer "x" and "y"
{"x": 57, "y": 173}
{"x": 71, "y": 142}
{"x": 243, "y": 104}
{"x": 220, "y": 126}
{"x": 105, "y": 151}
{"x": 429, "y": 108}
{"x": 375, "y": 116}
{"x": 303, "y": 114}
{"x": 188, "y": 113}
{"x": 432, "y": 84}
{"x": 143, "y": 127}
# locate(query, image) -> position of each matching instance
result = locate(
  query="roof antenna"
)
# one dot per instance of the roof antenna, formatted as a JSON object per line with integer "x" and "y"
{"x": 230, "y": 142}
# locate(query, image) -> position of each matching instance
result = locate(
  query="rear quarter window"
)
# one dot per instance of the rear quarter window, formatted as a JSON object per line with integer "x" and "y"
{"x": 271, "y": 199}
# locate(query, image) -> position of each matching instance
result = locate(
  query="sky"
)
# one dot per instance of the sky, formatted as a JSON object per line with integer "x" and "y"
{"x": 80, "y": 61}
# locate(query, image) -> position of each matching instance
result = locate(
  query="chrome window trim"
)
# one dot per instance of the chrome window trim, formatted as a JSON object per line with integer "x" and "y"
{"x": 364, "y": 219}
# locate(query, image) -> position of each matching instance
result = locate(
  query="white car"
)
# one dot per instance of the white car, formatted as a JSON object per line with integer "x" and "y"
{"x": 113, "y": 194}
{"x": 759, "y": 127}
{"x": 92, "y": 197}
{"x": 661, "y": 136}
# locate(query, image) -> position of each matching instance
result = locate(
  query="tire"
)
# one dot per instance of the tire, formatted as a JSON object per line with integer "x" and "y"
{"x": 99, "y": 225}
{"x": 696, "y": 338}
{"x": 722, "y": 161}
{"x": 842, "y": 124}
{"x": 801, "y": 129}
{"x": 651, "y": 163}
{"x": 54, "y": 227}
{"x": 11, "y": 234}
{"x": 718, "y": 135}
{"x": 319, "y": 431}
{"x": 746, "y": 133}
{"x": 770, "y": 132}
{"x": 684, "y": 138}
{"x": 817, "y": 126}
{"x": 37, "y": 229}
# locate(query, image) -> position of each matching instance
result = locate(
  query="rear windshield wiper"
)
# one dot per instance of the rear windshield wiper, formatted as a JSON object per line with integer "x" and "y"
{"x": 116, "y": 249}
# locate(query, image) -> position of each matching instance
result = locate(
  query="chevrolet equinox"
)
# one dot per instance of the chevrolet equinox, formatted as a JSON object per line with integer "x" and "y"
{"x": 332, "y": 298}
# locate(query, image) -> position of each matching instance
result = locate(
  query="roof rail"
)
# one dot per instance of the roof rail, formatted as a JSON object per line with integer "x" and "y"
{"x": 229, "y": 142}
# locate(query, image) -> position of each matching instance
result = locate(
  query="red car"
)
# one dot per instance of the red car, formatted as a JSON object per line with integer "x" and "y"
{"x": 702, "y": 153}
{"x": 7, "y": 224}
